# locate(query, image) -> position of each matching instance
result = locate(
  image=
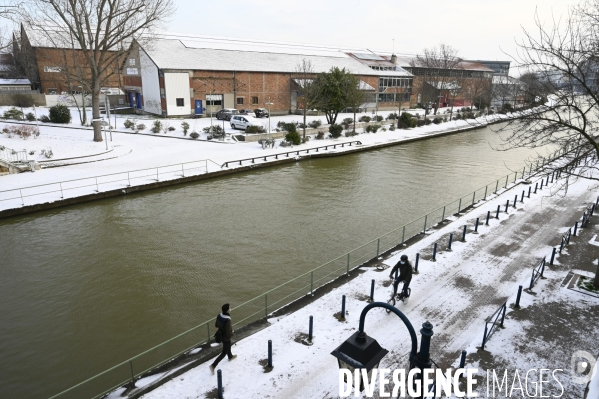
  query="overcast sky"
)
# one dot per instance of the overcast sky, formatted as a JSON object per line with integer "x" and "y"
{"x": 478, "y": 29}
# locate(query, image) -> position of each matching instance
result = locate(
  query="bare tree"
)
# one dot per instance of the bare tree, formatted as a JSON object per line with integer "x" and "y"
{"x": 564, "y": 94}
{"x": 438, "y": 63}
{"x": 308, "y": 93}
{"x": 354, "y": 95}
{"x": 101, "y": 31}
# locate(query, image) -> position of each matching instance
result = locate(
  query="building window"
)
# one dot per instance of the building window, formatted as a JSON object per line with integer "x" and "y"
{"x": 51, "y": 69}
{"x": 255, "y": 100}
{"x": 132, "y": 61}
{"x": 52, "y": 91}
{"x": 180, "y": 102}
{"x": 239, "y": 100}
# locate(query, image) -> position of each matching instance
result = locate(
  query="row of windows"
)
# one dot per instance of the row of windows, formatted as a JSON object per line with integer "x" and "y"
{"x": 240, "y": 100}
{"x": 381, "y": 68}
{"x": 458, "y": 73}
{"x": 388, "y": 97}
{"x": 395, "y": 82}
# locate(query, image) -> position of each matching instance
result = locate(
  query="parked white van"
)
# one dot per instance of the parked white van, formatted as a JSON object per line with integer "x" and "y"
{"x": 243, "y": 122}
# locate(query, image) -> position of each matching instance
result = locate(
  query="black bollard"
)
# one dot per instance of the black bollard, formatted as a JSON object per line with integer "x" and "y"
{"x": 536, "y": 186}
{"x": 518, "y": 297}
{"x": 553, "y": 255}
{"x": 488, "y": 215}
{"x": 529, "y": 189}
{"x": 547, "y": 182}
{"x": 416, "y": 263}
{"x": 434, "y": 253}
{"x": 463, "y": 360}
{"x": 450, "y": 241}
{"x": 497, "y": 214}
{"x": 464, "y": 234}
{"x": 515, "y": 200}
{"x": 541, "y": 186}
{"x": 269, "y": 353}
{"x": 219, "y": 381}
{"x": 372, "y": 291}
{"x": 593, "y": 209}
{"x": 507, "y": 205}
{"x": 310, "y": 329}
{"x": 522, "y": 198}
{"x": 476, "y": 226}
{"x": 575, "y": 227}
{"x": 343, "y": 306}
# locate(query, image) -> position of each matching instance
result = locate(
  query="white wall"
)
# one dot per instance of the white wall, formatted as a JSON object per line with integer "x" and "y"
{"x": 150, "y": 85}
{"x": 176, "y": 85}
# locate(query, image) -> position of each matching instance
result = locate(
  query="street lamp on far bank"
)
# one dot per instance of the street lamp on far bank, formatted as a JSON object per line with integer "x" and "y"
{"x": 269, "y": 103}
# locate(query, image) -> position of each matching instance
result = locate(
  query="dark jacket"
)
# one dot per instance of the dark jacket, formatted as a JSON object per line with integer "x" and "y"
{"x": 405, "y": 271}
{"x": 223, "y": 323}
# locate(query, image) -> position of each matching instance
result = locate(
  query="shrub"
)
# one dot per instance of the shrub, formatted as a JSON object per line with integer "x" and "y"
{"x": 365, "y": 118}
{"x": 372, "y": 128}
{"x": 129, "y": 124}
{"x": 255, "y": 129}
{"x": 23, "y": 132}
{"x": 44, "y": 118}
{"x": 22, "y": 100}
{"x": 392, "y": 116}
{"x": 406, "y": 121}
{"x": 437, "y": 120}
{"x": 288, "y": 127}
{"x": 293, "y": 137}
{"x": 427, "y": 122}
{"x": 30, "y": 117}
{"x": 420, "y": 123}
{"x": 346, "y": 122}
{"x": 13, "y": 113}
{"x": 194, "y": 135}
{"x": 301, "y": 126}
{"x": 457, "y": 117}
{"x": 335, "y": 130}
{"x": 392, "y": 127}
{"x": 305, "y": 140}
{"x": 185, "y": 127}
{"x": 156, "y": 127}
{"x": 171, "y": 128}
{"x": 315, "y": 124}
{"x": 379, "y": 118}
{"x": 214, "y": 131}
{"x": 140, "y": 126}
{"x": 320, "y": 136}
{"x": 60, "y": 114}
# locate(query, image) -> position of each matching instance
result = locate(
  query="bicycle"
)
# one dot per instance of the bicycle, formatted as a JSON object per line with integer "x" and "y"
{"x": 398, "y": 297}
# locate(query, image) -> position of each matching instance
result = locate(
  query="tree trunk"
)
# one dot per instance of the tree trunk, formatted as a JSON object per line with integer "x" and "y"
{"x": 96, "y": 113}
{"x": 305, "y": 122}
{"x": 354, "y": 119}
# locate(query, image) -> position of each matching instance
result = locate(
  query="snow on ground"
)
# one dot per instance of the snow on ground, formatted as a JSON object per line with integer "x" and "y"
{"x": 456, "y": 293}
{"x": 134, "y": 152}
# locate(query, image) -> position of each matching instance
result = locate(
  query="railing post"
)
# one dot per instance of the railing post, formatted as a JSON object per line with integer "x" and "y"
{"x": 522, "y": 198}
{"x": 484, "y": 338}
{"x": 575, "y": 227}
{"x": 507, "y": 204}
{"x": 425, "y": 220}
{"x": 506, "y": 178}
{"x": 488, "y": 216}
{"x": 348, "y": 263}
{"x": 416, "y": 263}
{"x": 182, "y": 171}
{"x": 515, "y": 200}
{"x": 403, "y": 234}
{"x": 542, "y": 266}
{"x": 265, "y": 305}
{"x": 460, "y": 206}
{"x": 132, "y": 374}
{"x": 450, "y": 241}
{"x": 343, "y": 307}
{"x": 529, "y": 190}
{"x": 464, "y": 234}
{"x": 552, "y": 256}
{"x": 310, "y": 336}
{"x": 569, "y": 234}
{"x": 532, "y": 280}
{"x": 157, "y": 178}
{"x": 269, "y": 353}
{"x": 518, "y": 297}
{"x": 128, "y": 180}
{"x": 473, "y": 197}
{"x": 562, "y": 245}
{"x": 476, "y": 226}
{"x": 443, "y": 215}
{"x": 496, "y": 187}
{"x": 372, "y": 291}
{"x": 434, "y": 253}
{"x": 515, "y": 177}
{"x": 61, "y": 193}
{"x": 97, "y": 188}
{"x": 503, "y": 316}
{"x": 541, "y": 186}
{"x": 497, "y": 213}
{"x": 378, "y": 246}
{"x": 219, "y": 382}
{"x": 523, "y": 171}
{"x": 485, "y": 197}
{"x": 311, "y": 283}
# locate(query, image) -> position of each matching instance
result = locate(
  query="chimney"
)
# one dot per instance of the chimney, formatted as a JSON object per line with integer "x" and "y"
{"x": 394, "y": 59}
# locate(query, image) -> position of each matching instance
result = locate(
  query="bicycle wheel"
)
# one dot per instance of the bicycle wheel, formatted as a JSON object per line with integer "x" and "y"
{"x": 391, "y": 302}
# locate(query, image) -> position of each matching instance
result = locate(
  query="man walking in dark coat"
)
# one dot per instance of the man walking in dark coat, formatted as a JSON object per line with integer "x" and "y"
{"x": 405, "y": 275}
{"x": 223, "y": 323}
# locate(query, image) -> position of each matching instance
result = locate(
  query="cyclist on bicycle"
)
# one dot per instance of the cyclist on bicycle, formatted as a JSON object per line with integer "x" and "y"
{"x": 405, "y": 275}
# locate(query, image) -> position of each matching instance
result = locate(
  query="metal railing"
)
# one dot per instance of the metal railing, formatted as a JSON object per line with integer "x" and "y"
{"x": 259, "y": 307}
{"x": 494, "y": 324}
{"x": 537, "y": 273}
{"x": 10, "y": 155}
{"x": 96, "y": 184}
{"x": 297, "y": 152}
{"x": 565, "y": 239}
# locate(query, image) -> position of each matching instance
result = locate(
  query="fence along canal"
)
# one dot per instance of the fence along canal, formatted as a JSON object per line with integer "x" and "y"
{"x": 259, "y": 307}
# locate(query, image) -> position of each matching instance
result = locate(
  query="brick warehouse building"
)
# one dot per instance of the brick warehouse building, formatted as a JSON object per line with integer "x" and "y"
{"x": 52, "y": 62}
{"x": 186, "y": 75}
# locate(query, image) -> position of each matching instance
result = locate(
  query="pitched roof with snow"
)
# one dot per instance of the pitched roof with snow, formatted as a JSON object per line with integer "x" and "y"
{"x": 189, "y": 54}
{"x": 15, "y": 82}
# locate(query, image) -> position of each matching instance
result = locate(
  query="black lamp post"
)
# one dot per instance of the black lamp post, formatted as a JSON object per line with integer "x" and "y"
{"x": 363, "y": 352}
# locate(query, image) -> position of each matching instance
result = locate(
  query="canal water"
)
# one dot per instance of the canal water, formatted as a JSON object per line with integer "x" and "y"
{"x": 87, "y": 286}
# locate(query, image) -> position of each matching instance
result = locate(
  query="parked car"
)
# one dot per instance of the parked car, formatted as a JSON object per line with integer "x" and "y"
{"x": 243, "y": 122}
{"x": 247, "y": 112}
{"x": 261, "y": 113}
{"x": 226, "y": 113}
